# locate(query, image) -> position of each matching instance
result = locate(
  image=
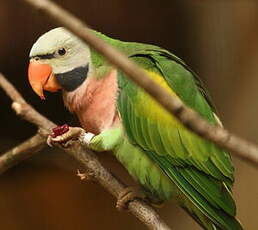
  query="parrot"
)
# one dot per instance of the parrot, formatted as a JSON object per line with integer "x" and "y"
{"x": 169, "y": 161}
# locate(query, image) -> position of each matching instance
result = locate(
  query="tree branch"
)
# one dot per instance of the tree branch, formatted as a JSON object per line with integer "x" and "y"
{"x": 140, "y": 209}
{"x": 22, "y": 152}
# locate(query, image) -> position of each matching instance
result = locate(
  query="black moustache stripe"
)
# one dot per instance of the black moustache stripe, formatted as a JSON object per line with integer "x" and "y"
{"x": 44, "y": 56}
{"x": 71, "y": 80}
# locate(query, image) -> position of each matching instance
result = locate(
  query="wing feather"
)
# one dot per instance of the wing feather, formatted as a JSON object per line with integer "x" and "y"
{"x": 202, "y": 171}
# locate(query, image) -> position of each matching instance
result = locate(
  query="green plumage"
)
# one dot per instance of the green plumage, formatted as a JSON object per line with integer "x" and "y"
{"x": 167, "y": 159}
{"x": 170, "y": 161}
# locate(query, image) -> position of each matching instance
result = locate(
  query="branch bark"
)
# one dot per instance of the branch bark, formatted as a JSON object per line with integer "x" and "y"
{"x": 240, "y": 147}
{"x": 22, "y": 152}
{"x": 140, "y": 209}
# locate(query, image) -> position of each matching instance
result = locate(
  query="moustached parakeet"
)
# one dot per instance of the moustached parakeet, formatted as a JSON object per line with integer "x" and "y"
{"x": 168, "y": 160}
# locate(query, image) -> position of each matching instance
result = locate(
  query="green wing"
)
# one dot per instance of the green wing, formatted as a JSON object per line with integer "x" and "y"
{"x": 202, "y": 171}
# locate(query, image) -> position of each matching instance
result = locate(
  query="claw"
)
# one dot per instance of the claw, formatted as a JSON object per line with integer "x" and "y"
{"x": 127, "y": 195}
{"x": 49, "y": 141}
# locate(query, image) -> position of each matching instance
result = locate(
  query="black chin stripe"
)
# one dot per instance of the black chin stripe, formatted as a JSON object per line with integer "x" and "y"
{"x": 71, "y": 80}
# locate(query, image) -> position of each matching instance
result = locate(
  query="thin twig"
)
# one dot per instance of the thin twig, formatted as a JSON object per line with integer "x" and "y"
{"x": 240, "y": 147}
{"x": 140, "y": 209}
{"x": 22, "y": 152}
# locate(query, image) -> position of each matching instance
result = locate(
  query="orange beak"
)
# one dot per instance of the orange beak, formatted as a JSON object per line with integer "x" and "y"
{"x": 41, "y": 78}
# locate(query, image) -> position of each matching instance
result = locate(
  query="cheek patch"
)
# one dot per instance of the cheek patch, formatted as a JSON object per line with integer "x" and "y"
{"x": 72, "y": 79}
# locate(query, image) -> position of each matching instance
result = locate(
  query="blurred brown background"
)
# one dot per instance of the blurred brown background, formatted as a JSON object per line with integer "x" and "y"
{"x": 219, "y": 39}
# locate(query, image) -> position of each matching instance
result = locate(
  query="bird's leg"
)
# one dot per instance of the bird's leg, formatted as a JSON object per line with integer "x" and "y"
{"x": 127, "y": 195}
{"x": 64, "y": 135}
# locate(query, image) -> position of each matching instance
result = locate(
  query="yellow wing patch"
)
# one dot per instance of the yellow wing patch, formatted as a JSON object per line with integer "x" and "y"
{"x": 150, "y": 108}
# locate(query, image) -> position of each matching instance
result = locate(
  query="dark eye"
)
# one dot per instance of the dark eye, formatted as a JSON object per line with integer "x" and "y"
{"x": 61, "y": 51}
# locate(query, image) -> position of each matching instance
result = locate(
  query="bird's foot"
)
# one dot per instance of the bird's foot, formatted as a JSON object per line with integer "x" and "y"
{"x": 127, "y": 195}
{"x": 64, "y": 135}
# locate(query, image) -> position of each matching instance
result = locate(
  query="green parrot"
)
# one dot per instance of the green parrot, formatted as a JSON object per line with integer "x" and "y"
{"x": 168, "y": 160}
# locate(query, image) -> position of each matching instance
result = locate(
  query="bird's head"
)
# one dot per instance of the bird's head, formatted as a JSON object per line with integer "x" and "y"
{"x": 58, "y": 60}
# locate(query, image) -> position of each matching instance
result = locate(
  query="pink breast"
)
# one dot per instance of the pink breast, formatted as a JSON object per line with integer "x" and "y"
{"x": 95, "y": 103}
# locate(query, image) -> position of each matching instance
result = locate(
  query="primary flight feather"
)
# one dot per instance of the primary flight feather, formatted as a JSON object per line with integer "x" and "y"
{"x": 167, "y": 159}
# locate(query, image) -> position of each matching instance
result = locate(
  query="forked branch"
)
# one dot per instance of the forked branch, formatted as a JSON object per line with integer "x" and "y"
{"x": 140, "y": 209}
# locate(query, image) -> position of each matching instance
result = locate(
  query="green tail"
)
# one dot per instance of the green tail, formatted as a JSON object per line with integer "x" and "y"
{"x": 209, "y": 215}
{"x": 231, "y": 223}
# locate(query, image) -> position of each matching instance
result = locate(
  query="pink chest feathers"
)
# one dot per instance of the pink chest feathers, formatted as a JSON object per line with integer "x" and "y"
{"x": 94, "y": 102}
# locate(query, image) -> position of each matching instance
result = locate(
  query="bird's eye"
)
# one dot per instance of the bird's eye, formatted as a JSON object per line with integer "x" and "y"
{"x": 61, "y": 51}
